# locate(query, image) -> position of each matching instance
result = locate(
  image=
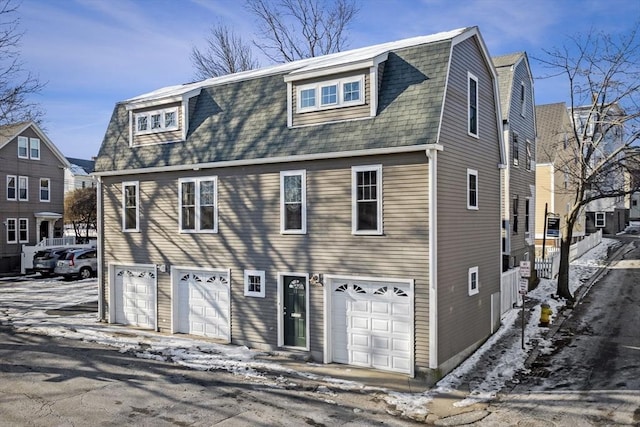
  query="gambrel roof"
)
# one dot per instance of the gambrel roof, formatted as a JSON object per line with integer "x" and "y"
{"x": 243, "y": 117}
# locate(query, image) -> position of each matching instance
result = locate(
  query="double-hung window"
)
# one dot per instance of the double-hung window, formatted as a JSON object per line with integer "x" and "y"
{"x": 367, "y": 199}
{"x": 130, "y": 206}
{"x": 23, "y": 230}
{"x": 23, "y": 147}
{"x": 515, "y": 145}
{"x": 198, "y": 205}
{"x": 600, "y": 219}
{"x": 472, "y": 189}
{"x": 523, "y": 104}
{"x": 293, "y": 202}
{"x": 12, "y": 232}
{"x": 472, "y": 99}
{"x": 473, "y": 281}
{"x": 23, "y": 188}
{"x": 34, "y": 148}
{"x": 527, "y": 216}
{"x": 45, "y": 189}
{"x": 11, "y": 187}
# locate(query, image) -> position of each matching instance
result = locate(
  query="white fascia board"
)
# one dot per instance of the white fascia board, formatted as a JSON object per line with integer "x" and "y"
{"x": 270, "y": 160}
{"x": 150, "y": 102}
{"x": 329, "y": 70}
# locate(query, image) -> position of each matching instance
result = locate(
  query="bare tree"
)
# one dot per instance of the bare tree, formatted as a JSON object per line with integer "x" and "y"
{"x": 16, "y": 85}
{"x": 297, "y": 29}
{"x": 225, "y": 53}
{"x": 603, "y": 73}
{"x": 80, "y": 209}
{"x": 287, "y": 30}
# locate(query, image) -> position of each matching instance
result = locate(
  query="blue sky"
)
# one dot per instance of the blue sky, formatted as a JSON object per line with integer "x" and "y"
{"x": 94, "y": 53}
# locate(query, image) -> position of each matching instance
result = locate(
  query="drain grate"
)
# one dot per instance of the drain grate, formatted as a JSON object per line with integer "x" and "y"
{"x": 540, "y": 373}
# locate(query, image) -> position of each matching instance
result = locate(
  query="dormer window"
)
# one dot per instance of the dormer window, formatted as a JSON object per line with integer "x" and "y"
{"x": 338, "y": 93}
{"x": 156, "y": 121}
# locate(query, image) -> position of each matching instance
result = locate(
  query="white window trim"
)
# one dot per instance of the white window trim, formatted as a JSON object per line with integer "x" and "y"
{"x": 31, "y": 143}
{"x": 48, "y": 189}
{"x": 15, "y": 187}
{"x": 354, "y": 199}
{"x": 303, "y": 183}
{"x": 340, "y": 102}
{"x": 261, "y": 275}
{"x": 197, "y": 182}
{"x": 15, "y": 229}
{"x": 475, "y": 207}
{"x": 600, "y": 220}
{"x": 26, "y": 183}
{"x": 150, "y": 113}
{"x": 26, "y": 221}
{"x": 126, "y": 184}
{"x": 473, "y": 270}
{"x": 477, "y": 134}
{"x": 25, "y": 140}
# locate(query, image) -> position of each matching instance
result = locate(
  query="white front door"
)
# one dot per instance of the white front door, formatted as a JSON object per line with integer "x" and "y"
{"x": 203, "y": 302}
{"x": 372, "y": 324}
{"x": 135, "y": 296}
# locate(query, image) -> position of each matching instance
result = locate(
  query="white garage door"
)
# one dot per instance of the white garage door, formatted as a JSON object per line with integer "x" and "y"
{"x": 135, "y": 290}
{"x": 371, "y": 324}
{"x": 203, "y": 303}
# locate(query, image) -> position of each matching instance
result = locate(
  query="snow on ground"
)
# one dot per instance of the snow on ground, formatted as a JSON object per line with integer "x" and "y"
{"x": 24, "y": 304}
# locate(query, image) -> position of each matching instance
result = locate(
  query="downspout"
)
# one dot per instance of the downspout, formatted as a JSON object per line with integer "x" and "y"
{"x": 432, "y": 154}
{"x": 100, "y": 250}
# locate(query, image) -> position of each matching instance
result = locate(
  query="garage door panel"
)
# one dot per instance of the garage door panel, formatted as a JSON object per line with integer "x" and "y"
{"x": 203, "y": 306}
{"x": 370, "y": 324}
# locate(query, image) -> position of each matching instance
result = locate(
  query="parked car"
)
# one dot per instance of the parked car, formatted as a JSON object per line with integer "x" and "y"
{"x": 82, "y": 263}
{"x": 44, "y": 261}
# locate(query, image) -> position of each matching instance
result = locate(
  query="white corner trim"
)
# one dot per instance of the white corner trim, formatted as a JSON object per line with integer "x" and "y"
{"x": 433, "y": 255}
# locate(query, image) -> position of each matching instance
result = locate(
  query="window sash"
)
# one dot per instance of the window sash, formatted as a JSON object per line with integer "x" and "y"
{"x": 472, "y": 189}
{"x": 600, "y": 219}
{"x": 329, "y": 95}
{"x": 367, "y": 199}
{"x": 34, "y": 148}
{"x": 23, "y": 188}
{"x": 45, "y": 188}
{"x": 338, "y": 93}
{"x": 130, "y": 206}
{"x": 23, "y": 230}
{"x": 514, "y": 210}
{"x": 473, "y": 105}
{"x": 12, "y": 232}
{"x": 515, "y": 145}
{"x": 23, "y": 147}
{"x": 527, "y": 216}
{"x": 473, "y": 281}
{"x": 293, "y": 196}
{"x": 11, "y": 187}
{"x": 154, "y": 121}
{"x": 198, "y": 205}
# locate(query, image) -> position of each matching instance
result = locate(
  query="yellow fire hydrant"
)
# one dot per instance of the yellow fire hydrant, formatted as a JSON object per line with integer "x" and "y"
{"x": 545, "y": 314}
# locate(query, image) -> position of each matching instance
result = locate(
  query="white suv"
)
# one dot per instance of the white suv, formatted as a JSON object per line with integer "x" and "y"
{"x": 80, "y": 263}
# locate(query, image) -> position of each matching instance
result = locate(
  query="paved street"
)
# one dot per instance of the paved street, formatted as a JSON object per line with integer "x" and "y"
{"x": 49, "y": 381}
{"x": 593, "y": 376}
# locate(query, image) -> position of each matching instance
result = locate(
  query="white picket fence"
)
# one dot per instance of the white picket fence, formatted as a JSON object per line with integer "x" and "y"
{"x": 547, "y": 269}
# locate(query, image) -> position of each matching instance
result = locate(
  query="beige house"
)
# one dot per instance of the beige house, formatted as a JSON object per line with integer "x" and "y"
{"x": 345, "y": 207}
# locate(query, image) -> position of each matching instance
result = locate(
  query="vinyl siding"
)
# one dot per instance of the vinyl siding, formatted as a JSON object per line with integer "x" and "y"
{"x": 249, "y": 237}
{"x": 467, "y": 238}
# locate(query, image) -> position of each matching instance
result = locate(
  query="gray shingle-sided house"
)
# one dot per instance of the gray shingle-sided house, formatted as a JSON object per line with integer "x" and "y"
{"x": 345, "y": 206}
{"x": 32, "y": 199}
{"x": 519, "y": 175}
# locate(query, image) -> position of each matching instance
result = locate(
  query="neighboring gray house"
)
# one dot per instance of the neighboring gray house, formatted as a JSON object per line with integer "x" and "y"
{"x": 32, "y": 199}
{"x": 519, "y": 174}
{"x": 346, "y": 206}
{"x": 79, "y": 174}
